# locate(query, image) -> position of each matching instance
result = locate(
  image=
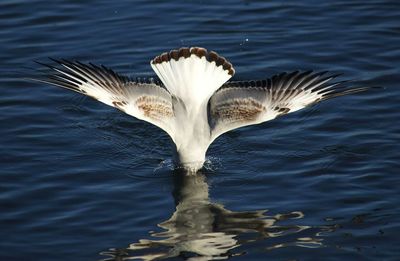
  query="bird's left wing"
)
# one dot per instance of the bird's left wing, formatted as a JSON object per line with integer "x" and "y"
{"x": 144, "y": 99}
{"x": 242, "y": 103}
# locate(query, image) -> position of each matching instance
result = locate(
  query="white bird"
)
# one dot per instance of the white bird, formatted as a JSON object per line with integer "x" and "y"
{"x": 192, "y": 100}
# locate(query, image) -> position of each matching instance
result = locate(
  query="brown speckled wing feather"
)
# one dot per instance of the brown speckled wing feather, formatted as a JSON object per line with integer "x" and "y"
{"x": 145, "y": 99}
{"x": 242, "y": 103}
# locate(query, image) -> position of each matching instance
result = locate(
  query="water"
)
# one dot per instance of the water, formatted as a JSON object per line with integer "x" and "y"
{"x": 81, "y": 181}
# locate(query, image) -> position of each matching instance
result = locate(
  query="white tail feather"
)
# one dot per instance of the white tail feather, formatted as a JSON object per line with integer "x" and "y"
{"x": 190, "y": 75}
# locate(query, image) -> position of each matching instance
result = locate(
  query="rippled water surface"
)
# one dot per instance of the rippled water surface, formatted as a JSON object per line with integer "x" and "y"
{"x": 81, "y": 181}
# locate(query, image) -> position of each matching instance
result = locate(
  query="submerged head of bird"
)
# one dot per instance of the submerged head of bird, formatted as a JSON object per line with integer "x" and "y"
{"x": 190, "y": 158}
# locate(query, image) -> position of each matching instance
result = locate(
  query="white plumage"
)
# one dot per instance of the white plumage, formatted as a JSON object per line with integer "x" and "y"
{"x": 193, "y": 101}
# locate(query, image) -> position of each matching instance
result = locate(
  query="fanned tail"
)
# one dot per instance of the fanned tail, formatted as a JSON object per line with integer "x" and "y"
{"x": 192, "y": 74}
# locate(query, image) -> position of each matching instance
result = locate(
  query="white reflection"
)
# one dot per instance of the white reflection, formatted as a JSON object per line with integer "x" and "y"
{"x": 203, "y": 230}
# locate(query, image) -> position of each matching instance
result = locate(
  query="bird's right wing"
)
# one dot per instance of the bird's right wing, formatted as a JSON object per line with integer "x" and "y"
{"x": 144, "y": 99}
{"x": 238, "y": 104}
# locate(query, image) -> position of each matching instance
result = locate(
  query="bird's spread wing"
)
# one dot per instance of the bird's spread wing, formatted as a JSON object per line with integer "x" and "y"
{"x": 144, "y": 99}
{"x": 242, "y": 103}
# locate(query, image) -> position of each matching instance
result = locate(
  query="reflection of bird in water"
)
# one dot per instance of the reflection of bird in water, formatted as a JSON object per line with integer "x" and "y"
{"x": 193, "y": 101}
{"x": 203, "y": 230}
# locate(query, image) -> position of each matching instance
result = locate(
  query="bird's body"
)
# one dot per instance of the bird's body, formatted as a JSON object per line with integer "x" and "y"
{"x": 193, "y": 101}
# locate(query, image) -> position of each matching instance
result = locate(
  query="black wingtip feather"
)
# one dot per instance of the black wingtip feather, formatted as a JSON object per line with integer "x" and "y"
{"x": 68, "y": 70}
{"x": 337, "y": 93}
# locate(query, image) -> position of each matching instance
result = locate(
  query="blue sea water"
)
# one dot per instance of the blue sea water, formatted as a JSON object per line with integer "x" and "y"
{"x": 81, "y": 181}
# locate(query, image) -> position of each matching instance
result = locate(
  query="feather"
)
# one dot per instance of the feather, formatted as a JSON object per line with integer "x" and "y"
{"x": 238, "y": 104}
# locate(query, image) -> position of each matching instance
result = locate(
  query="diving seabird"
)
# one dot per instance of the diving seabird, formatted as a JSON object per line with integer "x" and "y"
{"x": 192, "y": 99}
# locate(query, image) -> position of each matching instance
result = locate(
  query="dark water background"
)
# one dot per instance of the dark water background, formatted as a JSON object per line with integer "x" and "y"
{"x": 81, "y": 181}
